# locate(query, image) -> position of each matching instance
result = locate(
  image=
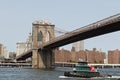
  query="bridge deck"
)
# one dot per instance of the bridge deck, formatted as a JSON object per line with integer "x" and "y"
{"x": 101, "y": 27}
{"x": 104, "y": 26}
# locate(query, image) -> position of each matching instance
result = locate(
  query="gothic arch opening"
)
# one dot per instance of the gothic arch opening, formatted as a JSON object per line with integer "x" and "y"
{"x": 39, "y": 36}
{"x": 47, "y": 36}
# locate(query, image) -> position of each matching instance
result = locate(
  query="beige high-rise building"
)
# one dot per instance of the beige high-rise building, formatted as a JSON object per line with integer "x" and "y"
{"x": 3, "y": 50}
{"x": 77, "y": 46}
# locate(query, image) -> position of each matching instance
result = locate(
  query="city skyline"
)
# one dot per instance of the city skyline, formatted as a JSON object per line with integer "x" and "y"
{"x": 17, "y": 17}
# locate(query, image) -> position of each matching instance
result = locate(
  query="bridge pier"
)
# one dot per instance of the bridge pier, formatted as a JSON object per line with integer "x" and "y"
{"x": 43, "y": 31}
{"x": 43, "y": 59}
{"x": 49, "y": 59}
{"x": 36, "y": 58}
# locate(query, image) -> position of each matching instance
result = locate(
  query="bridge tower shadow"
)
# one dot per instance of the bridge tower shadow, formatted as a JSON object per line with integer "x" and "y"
{"x": 42, "y": 32}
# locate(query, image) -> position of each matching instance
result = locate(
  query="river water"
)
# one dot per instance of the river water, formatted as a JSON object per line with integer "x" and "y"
{"x": 41, "y": 74}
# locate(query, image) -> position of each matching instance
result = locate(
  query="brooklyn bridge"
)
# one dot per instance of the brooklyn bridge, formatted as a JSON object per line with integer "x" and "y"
{"x": 44, "y": 41}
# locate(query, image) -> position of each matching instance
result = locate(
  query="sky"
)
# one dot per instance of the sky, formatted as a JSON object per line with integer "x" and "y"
{"x": 17, "y": 16}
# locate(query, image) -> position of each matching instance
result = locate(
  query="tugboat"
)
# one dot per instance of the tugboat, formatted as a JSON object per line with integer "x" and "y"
{"x": 83, "y": 70}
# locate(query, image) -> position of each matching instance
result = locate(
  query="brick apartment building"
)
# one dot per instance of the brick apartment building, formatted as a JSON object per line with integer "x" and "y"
{"x": 114, "y": 56}
{"x": 92, "y": 56}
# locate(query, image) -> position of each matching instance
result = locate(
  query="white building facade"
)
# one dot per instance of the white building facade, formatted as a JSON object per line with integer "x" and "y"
{"x": 24, "y": 46}
{"x": 79, "y": 45}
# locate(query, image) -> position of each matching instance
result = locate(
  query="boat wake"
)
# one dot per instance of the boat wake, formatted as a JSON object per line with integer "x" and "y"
{"x": 93, "y": 78}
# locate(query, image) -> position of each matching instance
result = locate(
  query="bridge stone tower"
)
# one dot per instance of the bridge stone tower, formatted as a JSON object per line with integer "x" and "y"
{"x": 42, "y": 32}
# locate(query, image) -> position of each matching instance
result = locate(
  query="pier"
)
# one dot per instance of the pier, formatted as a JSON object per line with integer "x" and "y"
{"x": 17, "y": 65}
{"x": 68, "y": 64}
